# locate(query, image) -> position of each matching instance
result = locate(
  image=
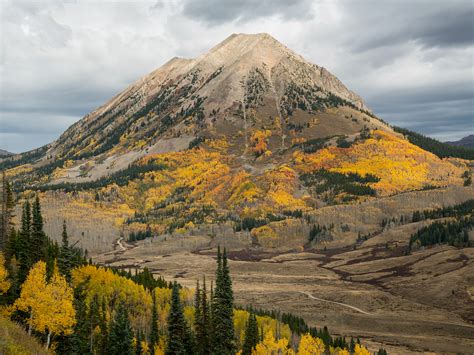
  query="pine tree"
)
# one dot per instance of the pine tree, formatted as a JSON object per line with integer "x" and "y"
{"x": 37, "y": 238}
{"x": 178, "y": 332}
{"x": 206, "y": 321}
{"x": 65, "y": 255}
{"x": 80, "y": 337}
{"x": 222, "y": 309}
{"x": 199, "y": 324}
{"x": 6, "y": 221}
{"x": 251, "y": 335}
{"x": 121, "y": 334}
{"x": 154, "y": 335}
{"x": 23, "y": 244}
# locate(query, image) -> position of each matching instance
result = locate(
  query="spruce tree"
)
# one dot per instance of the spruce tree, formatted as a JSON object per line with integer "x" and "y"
{"x": 37, "y": 238}
{"x": 6, "y": 221}
{"x": 222, "y": 309}
{"x": 179, "y": 336}
{"x": 80, "y": 337}
{"x": 24, "y": 261}
{"x": 154, "y": 335}
{"x": 65, "y": 255}
{"x": 251, "y": 335}
{"x": 206, "y": 321}
{"x": 121, "y": 334}
{"x": 200, "y": 320}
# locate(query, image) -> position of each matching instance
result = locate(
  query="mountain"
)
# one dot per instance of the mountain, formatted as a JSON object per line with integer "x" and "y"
{"x": 467, "y": 142}
{"x": 4, "y": 153}
{"x": 247, "y": 134}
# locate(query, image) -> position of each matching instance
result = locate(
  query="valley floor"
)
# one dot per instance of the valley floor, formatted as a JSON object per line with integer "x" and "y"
{"x": 413, "y": 303}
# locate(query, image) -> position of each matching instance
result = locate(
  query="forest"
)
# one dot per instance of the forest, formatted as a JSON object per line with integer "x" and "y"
{"x": 72, "y": 306}
{"x": 442, "y": 150}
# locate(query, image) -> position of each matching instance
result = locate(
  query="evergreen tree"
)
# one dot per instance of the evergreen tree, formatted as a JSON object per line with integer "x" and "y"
{"x": 200, "y": 324}
{"x": 121, "y": 334}
{"x": 179, "y": 339}
{"x": 65, "y": 255}
{"x": 352, "y": 345}
{"x": 222, "y": 309}
{"x": 206, "y": 320}
{"x": 6, "y": 221}
{"x": 80, "y": 338}
{"x": 251, "y": 335}
{"x": 23, "y": 245}
{"x": 154, "y": 335}
{"x": 38, "y": 238}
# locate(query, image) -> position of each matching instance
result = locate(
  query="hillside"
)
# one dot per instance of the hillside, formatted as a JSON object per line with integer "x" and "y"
{"x": 466, "y": 142}
{"x": 15, "y": 340}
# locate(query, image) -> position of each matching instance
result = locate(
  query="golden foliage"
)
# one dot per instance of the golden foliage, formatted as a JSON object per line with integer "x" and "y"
{"x": 271, "y": 346}
{"x": 113, "y": 288}
{"x": 259, "y": 141}
{"x": 400, "y": 165}
{"x": 361, "y": 350}
{"x": 4, "y": 282}
{"x": 310, "y": 345}
{"x": 50, "y": 304}
{"x": 267, "y": 324}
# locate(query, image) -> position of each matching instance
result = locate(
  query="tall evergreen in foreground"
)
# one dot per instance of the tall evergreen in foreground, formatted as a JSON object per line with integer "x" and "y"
{"x": 251, "y": 335}
{"x": 179, "y": 335}
{"x": 65, "y": 255}
{"x": 6, "y": 218}
{"x": 79, "y": 340}
{"x": 222, "y": 309}
{"x": 121, "y": 334}
{"x": 38, "y": 241}
{"x": 201, "y": 319}
{"x": 23, "y": 244}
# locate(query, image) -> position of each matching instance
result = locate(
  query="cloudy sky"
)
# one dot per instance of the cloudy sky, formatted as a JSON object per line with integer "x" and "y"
{"x": 412, "y": 61}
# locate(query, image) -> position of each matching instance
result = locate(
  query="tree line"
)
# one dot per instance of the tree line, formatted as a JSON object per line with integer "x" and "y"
{"x": 442, "y": 150}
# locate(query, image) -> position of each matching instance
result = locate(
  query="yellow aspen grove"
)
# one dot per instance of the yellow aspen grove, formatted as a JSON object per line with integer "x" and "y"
{"x": 50, "y": 304}
{"x": 271, "y": 346}
{"x": 32, "y": 291}
{"x": 361, "y": 350}
{"x": 4, "y": 283}
{"x": 310, "y": 345}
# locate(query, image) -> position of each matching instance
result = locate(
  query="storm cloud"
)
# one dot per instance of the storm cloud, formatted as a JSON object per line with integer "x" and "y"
{"x": 411, "y": 61}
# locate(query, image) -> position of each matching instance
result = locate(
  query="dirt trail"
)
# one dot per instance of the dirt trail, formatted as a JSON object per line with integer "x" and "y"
{"x": 339, "y": 303}
{"x": 120, "y": 245}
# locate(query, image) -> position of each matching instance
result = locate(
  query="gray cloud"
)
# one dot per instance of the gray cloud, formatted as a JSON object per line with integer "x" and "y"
{"x": 215, "y": 12}
{"x": 412, "y": 61}
{"x": 428, "y": 23}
